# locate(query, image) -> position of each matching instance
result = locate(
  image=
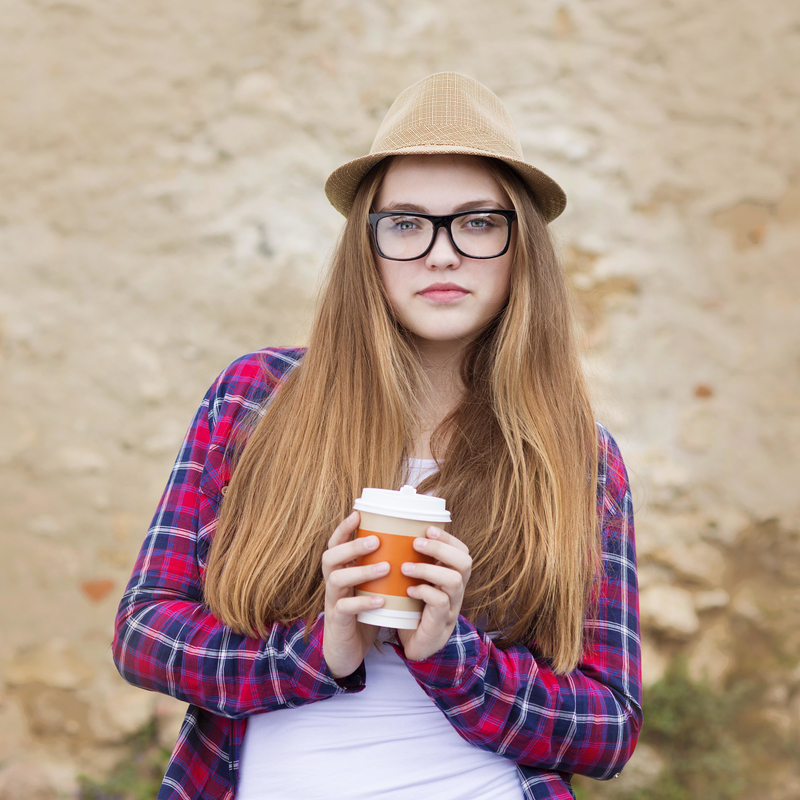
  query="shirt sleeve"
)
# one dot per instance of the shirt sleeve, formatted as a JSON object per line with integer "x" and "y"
{"x": 166, "y": 639}
{"x": 511, "y": 702}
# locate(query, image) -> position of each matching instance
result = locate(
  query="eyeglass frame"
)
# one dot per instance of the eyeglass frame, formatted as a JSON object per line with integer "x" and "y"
{"x": 445, "y": 222}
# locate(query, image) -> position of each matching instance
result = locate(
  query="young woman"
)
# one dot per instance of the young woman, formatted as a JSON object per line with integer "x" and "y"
{"x": 441, "y": 355}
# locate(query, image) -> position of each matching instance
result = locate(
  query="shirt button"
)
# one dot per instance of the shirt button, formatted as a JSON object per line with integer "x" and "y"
{"x": 224, "y": 490}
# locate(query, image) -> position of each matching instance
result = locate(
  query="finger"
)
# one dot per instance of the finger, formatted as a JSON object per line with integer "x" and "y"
{"x": 438, "y": 534}
{"x": 345, "y": 529}
{"x": 437, "y": 602}
{"x": 445, "y": 553}
{"x": 347, "y": 577}
{"x": 350, "y": 606}
{"x": 347, "y": 552}
{"x": 449, "y": 580}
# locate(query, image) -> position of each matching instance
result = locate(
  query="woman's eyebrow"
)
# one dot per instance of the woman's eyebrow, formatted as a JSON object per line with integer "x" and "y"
{"x": 398, "y": 206}
{"x": 476, "y": 205}
{"x": 470, "y": 205}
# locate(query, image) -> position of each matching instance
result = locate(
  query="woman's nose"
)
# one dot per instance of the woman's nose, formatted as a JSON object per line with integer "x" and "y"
{"x": 442, "y": 254}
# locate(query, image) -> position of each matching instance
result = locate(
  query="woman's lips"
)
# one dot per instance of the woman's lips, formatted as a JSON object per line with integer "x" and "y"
{"x": 443, "y": 292}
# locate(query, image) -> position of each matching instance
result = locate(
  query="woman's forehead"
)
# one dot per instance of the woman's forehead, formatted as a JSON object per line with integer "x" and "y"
{"x": 440, "y": 180}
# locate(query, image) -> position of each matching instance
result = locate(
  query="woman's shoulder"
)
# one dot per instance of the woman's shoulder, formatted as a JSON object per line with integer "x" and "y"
{"x": 248, "y": 381}
{"x": 608, "y": 449}
{"x": 613, "y": 488}
{"x": 259, "y": 369}
{"x": 264, "y": 365}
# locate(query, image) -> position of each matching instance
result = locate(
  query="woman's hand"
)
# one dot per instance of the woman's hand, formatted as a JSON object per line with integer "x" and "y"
{"x": 345, "y": 641}
{"x": 442, "y": 594}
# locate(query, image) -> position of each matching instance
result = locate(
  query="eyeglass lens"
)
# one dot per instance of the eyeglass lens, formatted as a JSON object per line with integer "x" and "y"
{"x": 476, "y": 234}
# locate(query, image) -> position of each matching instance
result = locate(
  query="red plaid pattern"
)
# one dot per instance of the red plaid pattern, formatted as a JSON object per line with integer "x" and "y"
{"x": 509, "y": 702}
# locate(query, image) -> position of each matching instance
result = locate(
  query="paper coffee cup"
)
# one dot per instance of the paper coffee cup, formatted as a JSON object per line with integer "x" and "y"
{"x": 396, "y": 518}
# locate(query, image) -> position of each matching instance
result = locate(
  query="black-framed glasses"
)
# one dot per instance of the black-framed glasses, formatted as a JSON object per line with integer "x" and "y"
{"x": 407, "y": 235}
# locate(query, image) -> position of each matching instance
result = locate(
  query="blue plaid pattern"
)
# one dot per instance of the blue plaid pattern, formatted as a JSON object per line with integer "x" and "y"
{"x": 507, "y": 701}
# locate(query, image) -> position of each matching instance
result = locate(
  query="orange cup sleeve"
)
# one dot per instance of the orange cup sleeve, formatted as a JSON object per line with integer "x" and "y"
{"x": 396, "y": 550}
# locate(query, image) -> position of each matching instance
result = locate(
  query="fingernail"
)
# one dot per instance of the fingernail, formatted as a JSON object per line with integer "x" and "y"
{"x": 434, "y": 533}
{"x": 420, "y": 543}
{"x": 377, "y": 601}
{"x": 371, "y": 542}
{"x": 408, "y": 568}
{"x": 381, "y": 568}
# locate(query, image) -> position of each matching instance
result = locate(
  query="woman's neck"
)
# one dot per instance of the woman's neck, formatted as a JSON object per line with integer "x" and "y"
{"x": 442, "y": 367}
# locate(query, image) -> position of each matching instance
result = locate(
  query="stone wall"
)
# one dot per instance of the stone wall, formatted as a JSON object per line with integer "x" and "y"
{"x": 161, "y": 212}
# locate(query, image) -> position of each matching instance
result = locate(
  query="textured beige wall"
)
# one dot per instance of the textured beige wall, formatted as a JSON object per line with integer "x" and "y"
{"x": 161, "y": 212}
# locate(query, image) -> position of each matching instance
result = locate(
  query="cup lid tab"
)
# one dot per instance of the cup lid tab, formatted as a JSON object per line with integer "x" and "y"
{"x": 405, "y": 504}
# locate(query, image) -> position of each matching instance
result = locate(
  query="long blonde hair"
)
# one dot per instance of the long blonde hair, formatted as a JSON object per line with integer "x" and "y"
{"x": 518, "y": 457}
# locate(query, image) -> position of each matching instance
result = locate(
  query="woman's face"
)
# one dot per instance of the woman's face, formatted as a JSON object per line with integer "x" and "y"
{"x": 443, "y": 299}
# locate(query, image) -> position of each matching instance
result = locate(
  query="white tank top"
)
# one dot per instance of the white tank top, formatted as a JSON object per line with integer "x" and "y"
{"x": 388, "y": 741}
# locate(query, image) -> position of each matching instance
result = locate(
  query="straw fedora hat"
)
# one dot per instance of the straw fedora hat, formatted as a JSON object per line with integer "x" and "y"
{"x": 446, "y": 113}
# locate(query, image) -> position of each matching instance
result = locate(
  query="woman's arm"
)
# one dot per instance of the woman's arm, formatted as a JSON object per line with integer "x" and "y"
{"x": 509, "y": 701}
{"x": 165, "y": 639}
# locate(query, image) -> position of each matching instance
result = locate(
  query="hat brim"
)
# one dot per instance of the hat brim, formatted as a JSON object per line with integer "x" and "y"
{"x": 343, "y": 182}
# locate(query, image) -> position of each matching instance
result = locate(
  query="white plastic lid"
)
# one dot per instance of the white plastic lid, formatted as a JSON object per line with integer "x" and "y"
{"x": 405, "y": 504}
{"x": 389, "y": 618}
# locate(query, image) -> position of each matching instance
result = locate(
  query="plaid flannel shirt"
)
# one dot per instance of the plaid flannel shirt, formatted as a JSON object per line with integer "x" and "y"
{"x": 507, "y": 701}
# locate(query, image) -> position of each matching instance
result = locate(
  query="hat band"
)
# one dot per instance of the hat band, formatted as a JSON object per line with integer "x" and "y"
{"x": 436, "y": 138}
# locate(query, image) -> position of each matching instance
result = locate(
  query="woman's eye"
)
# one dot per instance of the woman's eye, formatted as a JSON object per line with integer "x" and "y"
{"x": 477, "y": 222}
{"x": 405, "y": 223}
